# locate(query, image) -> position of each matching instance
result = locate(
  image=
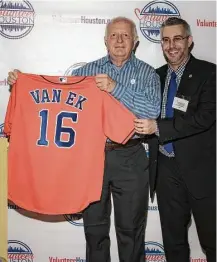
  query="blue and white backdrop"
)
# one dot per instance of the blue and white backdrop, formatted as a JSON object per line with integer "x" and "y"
{"x": 52, "y": 37}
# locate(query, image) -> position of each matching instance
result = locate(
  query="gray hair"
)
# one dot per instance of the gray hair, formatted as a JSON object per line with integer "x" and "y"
{"x": 177, "y": 21}
{"x": 122, "y": 19}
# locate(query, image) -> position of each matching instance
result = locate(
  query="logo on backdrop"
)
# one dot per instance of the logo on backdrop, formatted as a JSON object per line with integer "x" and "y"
{"x": 73, "y": 67}
{"x": 154, "y": 252}
{"x": 206, "y": 23}
{"x": 56, "y": 259}
{"x": 1, "y": 130}
{"x": 152, "y": 16}
{"x": 73, "y": 19}
{"x": 18, "y": 251}
{"x": 3, "y": 82}
{"x": 74, "y": 219}
{"x": 16, "y": 19}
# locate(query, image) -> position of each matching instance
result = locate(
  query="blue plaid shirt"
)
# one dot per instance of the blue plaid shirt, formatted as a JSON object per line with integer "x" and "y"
{"x": 137, "y": 84}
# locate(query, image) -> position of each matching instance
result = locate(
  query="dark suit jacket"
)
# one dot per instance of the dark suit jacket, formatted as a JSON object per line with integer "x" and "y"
{"x": 193, "y": 132}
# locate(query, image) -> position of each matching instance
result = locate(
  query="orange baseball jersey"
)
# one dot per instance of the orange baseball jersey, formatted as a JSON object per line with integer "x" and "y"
{"x": 58, "y": 127}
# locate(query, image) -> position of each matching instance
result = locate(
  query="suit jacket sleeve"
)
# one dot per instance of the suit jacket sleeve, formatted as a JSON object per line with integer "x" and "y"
{"x": 196, "y": 121}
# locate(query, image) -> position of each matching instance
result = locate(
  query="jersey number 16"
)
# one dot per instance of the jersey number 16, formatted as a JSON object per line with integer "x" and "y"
{"x": 59, "y": 130}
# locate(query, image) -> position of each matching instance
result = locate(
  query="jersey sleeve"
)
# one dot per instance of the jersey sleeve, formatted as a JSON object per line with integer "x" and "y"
{"x": 10, "y": 111}
{"x": 118, "y": 121}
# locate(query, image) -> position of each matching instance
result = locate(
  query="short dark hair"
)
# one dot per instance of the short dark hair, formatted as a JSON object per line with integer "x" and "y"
{"x": 177, "y": 21}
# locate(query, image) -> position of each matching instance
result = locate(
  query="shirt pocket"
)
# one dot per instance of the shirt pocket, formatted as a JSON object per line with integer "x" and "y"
{"x": 137, "y": 85}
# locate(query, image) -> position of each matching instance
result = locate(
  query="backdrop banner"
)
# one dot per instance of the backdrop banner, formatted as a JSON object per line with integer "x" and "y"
{"x": 53, "y": 38}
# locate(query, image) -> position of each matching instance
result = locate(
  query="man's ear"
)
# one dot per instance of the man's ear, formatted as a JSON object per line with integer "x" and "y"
{"x": 136, "y": 40}
{"x": 105, "y": 41}
{"x": 190, "y": 41}
{"x": 136, "y": 44}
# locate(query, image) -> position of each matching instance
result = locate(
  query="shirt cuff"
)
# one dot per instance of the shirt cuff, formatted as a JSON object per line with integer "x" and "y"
{"x": 118, "y": 91}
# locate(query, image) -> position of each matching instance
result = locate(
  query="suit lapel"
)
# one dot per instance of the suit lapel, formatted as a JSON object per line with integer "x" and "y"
{"x": 189, "y": 84}
{"x": 163, "y": 73}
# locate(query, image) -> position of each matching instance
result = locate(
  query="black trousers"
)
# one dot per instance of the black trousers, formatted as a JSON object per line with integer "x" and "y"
{"x": 126, "y": 178}
{"x": 175, "y": 206}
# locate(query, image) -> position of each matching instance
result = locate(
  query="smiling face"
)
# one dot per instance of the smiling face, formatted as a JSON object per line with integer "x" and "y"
{"x": 120, "y": 41}
{"x": 175, "y": 44}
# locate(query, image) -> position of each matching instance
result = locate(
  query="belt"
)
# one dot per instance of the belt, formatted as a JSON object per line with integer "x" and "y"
{"x": 132, "y": 142}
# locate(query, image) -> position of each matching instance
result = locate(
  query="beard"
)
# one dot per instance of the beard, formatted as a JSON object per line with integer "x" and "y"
{"x": 174, "y": 59}
{"x": 165, "y": 57}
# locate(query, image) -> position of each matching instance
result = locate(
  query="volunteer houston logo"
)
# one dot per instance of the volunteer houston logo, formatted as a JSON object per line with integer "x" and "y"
{"x": 18, "y": 251}
{"x": 154, "y": 252}
{"x": 152, "y": 16}
{"x": 16, "y": 19}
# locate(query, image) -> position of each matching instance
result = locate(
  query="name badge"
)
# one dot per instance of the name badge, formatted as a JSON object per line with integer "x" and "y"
{"x": 180, "y": 104}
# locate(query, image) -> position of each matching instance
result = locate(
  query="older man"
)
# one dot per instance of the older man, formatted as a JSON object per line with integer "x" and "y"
{"x": 186, "y": 179}
{"x": 135, "y": 84}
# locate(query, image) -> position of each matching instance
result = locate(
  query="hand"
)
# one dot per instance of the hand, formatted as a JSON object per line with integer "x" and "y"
{"x": 105, "y": 83}
{"x": 12, "y": 77}
{"x": 145, "y": 126}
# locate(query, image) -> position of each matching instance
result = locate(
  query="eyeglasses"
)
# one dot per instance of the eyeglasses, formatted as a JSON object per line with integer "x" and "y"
{"x": 124, "y": 36}
{"x": 177, "y": 40}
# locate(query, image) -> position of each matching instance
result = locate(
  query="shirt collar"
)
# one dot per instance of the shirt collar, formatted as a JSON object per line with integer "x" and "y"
{"x": 106, "y": 59}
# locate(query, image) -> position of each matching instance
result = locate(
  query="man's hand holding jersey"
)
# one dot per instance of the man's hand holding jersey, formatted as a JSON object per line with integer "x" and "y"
{"x": 105, "y": 83}
{"x": 12, "y": 77}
